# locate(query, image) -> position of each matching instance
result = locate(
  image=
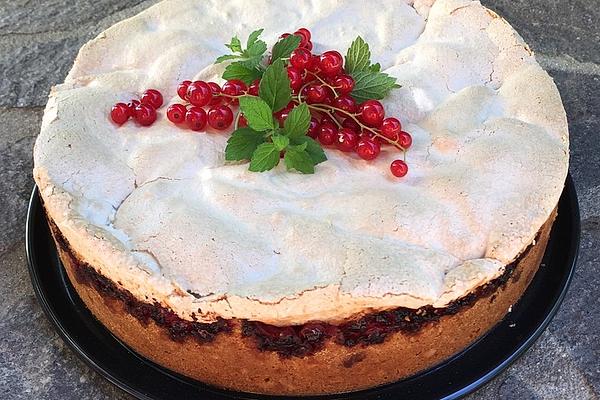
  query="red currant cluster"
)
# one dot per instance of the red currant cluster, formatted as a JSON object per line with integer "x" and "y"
{"x": 199, "y": 94}
{"x": 319, "y": 80}
{"x": 143, "y": 111}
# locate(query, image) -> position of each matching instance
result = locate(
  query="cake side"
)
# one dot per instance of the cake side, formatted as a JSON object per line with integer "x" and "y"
{"x": 230, "y": 357}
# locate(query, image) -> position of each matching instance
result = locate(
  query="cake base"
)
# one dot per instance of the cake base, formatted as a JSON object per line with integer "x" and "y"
{"x": 233, "y": 361}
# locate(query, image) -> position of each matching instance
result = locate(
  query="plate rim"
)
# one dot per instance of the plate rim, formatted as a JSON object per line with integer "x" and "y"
{"x": 572, "y": 256}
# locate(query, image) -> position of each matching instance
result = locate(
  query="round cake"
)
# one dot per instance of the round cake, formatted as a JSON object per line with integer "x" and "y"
{"x": 287, "y": 283}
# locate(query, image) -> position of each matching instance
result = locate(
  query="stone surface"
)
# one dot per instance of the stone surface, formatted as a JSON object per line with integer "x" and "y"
{"x": 38, "y": 45}
{"x": 16, "y": 142}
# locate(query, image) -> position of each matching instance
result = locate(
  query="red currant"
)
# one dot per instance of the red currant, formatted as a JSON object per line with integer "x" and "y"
{"x": 144, "y": 114}
{"x": 343, "y": 84}
{"x": 282, "y": 115}
{"x": 326, "y": 119}
{"x": 390, "y": 128}
{"x": 199, "y": 93}
{"x": 182, "y": 89}
{"x": 404, "y": 140}
{"x": 176, "y": 113}
{"x": 315, "y": 93}
{"x": 331, "y": 63}
{"x": 300, "y": 58}
{"x": 295, "y": 76}
{"x": 253, "y": 88}
{"x": 304, "y": 32}
{"x": 220, "y": 117}
{"x": 327, "y": 133}
{"x": 234, "y": 87}
{"x": 120, "y": 113}
{"x": 329, "y": 96}
{"x": 308, "y": 46}
{"x": 195, "y": 118}
{"x": 398, "y": 168}
{"x": 303, "y": 39}
{"x": 132, "y": 105}
{"x": 242, "y": 121}
{"x": 370, "y": 136}
{"x": 313, "y": 128}
{"x": 215, "y": 91}
{"x": 346, "y": 140}
{"x": 372, "y": 113}
{"x": 315, "y": 65}
{"x": 284, "y": 35}
{"x": 351, "y": 124}
{"x": 368, "y": 149}
{"x": 153, "y": 98}
{"x": 346, "y": 103}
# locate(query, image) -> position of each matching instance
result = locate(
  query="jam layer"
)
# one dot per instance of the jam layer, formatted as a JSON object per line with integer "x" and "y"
{"x": 296, "y": 340}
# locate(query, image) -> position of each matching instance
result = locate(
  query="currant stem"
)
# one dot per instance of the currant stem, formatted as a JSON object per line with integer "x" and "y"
{"x": 237, "y": 120}
{"x": 323, "y": 82}
{"x": 327, "y": 109}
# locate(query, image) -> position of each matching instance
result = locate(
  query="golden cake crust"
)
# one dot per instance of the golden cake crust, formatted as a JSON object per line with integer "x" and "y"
{"x": 234, "y": 362}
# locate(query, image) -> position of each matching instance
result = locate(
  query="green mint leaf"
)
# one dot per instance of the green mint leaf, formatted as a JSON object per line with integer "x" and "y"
{"x": 313, "y": 148}
{"x": 275, "y": 86}
{"x": 239, "y": 70}
{"x": 253, "y": 62}
{"x": 253, "y": 37}
{"x": 257, "y": 113}
{"x": 375, "y": 68}
{"x": 299, "y": 159}
{"x": 284, "y": 47}
{"x": 280, "y": 141}
{"x": 226, "y": 57}
{"x": 358, "y": 57}
{"x": 257, "y": 49}
{"x": 235, "y": 45}
{"x": 372, "y": 85}
{"x": 297, "y": 122}
{"x": 264, "y": 158}
{"x": 242, "y": 144}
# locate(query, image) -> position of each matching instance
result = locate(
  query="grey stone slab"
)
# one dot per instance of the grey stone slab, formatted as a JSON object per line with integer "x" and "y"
{"x": 29, "y": 67}
{"x": 555, "y": 27}
{"x": 34, "y": 361}
{"x": 39, "y": 41}
{"x": 547, "y": 371}
{"x": 18, "y": 130}
{"x": 26, "y": 17}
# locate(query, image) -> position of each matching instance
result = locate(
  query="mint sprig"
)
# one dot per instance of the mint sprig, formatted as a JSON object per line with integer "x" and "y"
{"x": 247, "y": 62}
{"x": 263, "y": 140}
{"x": 264, "y": 158}
{"x": 358, "y": 57}
{"x": 275, "y": 86}
{"x": 284, "y": 47}
{"x": 297, "y": 122}
{"x": 296, "y": 157}
{"x": 372, "y": 85}
{"x": 369, "y": 82}
{"x": 242, "y": 144}
{"x": 257, "y": 112}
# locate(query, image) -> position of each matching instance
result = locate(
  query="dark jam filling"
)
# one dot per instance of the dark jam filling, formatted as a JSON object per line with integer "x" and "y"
{"x": 295, "y": 340}
{"x": 179, "y": 329}
{"x": 370, "y": 329}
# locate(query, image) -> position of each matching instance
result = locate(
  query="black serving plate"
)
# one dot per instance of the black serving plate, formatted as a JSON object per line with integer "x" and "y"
{"x": 456, "y": 377}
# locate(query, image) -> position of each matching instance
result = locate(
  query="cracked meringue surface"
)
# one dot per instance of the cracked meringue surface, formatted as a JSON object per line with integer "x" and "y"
{"x": 158, "y": 210}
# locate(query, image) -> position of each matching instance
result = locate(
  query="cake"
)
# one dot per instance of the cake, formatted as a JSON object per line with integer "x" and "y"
{"x": 287, "y": 283}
